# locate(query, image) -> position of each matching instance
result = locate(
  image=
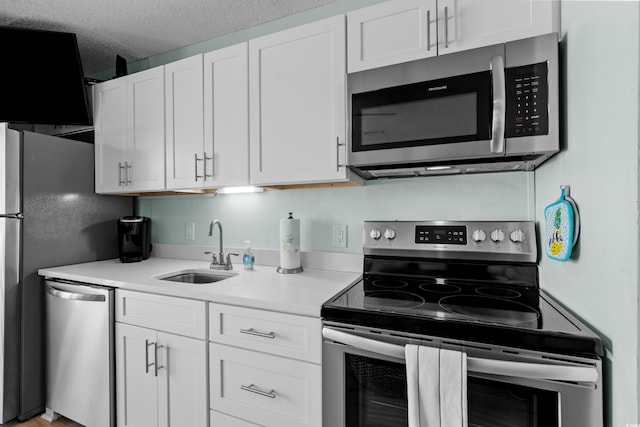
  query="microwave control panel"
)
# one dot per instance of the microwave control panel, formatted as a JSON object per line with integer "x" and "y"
{"x": 527, "y": 112}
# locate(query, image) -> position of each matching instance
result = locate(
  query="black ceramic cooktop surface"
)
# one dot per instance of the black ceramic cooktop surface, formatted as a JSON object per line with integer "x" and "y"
{"x": 503, "y": 307}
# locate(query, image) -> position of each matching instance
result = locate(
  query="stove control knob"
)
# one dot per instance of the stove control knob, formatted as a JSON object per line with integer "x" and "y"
{"x": 479, "y": 236}
{"x": 517, "y": 236}
{"x": 375, "y": 234}
{"x": 497, "y": 235}
{"x": 389, "y": 234}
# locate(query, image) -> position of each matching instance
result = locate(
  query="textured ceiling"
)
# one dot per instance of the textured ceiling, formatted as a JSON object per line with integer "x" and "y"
{"x": 137, "y": 29}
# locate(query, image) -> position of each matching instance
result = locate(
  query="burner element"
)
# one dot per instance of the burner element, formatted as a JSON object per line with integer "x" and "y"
{"x": 389, "y": 283}
{"x": 440, "y": 288}
{"x": 391, "y": 299}
{"x": 498, "y": 292}
{"x": 490, "y": 310}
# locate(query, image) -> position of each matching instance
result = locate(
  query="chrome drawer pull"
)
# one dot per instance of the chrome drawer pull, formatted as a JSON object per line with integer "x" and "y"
{"x": 252, "y": 331}
{"x": 252, "y": 388}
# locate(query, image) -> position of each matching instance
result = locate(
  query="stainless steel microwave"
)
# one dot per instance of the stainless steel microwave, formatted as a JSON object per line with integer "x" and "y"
{"x": 493, "y": 108}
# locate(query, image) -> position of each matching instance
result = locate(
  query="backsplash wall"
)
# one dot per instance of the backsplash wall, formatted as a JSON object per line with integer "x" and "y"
{"x": 256, "y": 217}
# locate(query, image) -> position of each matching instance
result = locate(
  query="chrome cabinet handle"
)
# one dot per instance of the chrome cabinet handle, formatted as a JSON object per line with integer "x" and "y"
{"x": 252, "y": 331}
{"x": 205, "y": 166}
{"x": 195, "y": 166}
{"x": 127, "y": 166}
{"x": 146, "y": 356}
{"x": 446, "y": 27}
{"x": 120, "y": 181}
{"x": 428, "y": 30}
{"x": 155, "y": 357}
{"x": 499, "y": 104}
{"x": 253, "y": 389}
{"x": 338, "y": 145}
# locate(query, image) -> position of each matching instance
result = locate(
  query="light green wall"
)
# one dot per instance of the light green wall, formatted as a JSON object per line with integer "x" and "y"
{"x": 256, "y": 217}
{"x": 600, "y": 51}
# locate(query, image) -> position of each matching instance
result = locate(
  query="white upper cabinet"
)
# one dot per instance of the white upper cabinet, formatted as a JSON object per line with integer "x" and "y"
{"x": 184, "y": 123}
{"x": 207, "y": 125}
{"x": 110, "y": 118}
{"x": 129, "y": 133}
{"x": 405, "y": 30}
{"x": 145, "y": 128}
{"x": 226, "y": 117}
{"x": 468, "y": 24}
{"x": 297, "y": 105}
{"x": 391, "y": 32}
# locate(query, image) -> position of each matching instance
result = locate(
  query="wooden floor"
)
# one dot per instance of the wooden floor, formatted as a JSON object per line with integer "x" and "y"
{"x": 39, "y": 422}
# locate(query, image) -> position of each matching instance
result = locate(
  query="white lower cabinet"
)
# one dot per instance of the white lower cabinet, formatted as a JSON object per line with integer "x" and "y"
{"x": 161, "y": 377}
{"x": 264, "y": 368}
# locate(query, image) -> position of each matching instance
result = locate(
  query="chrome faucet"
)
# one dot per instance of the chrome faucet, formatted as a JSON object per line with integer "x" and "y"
{"x": 219, "y": 262}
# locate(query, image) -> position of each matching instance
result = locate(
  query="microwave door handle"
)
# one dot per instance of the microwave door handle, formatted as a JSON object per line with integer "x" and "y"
{"x": 538, "y": 371}
{"x": 499, "y": 104}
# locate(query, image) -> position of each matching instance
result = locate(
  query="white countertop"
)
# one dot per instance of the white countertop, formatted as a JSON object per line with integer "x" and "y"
{"x": 263, "y": 288}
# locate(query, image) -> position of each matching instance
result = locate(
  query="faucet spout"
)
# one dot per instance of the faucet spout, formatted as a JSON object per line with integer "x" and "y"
{"x": 219, "y": 224}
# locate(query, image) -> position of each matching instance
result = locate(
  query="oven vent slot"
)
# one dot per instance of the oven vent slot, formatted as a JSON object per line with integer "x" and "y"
{"x": 465, "y": 345}
{"x": 567, "y": 360}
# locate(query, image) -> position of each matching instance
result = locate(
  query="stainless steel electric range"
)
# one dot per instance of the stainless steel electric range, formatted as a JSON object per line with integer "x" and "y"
{"x": 469, "y": 286}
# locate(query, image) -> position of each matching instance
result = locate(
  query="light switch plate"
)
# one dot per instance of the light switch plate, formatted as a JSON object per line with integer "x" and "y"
{"x": 189, "y": 231}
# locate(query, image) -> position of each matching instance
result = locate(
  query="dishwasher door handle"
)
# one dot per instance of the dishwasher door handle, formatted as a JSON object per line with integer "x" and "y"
{"x": 59, "y": 293}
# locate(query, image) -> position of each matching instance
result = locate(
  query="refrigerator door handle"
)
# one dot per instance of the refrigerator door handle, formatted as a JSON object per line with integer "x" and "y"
{"x": 59, "y": 293}
{"x": 18, "y": 215}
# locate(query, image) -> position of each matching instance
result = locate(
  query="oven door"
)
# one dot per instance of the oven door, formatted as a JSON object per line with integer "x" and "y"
{"x": 364, "y": 384}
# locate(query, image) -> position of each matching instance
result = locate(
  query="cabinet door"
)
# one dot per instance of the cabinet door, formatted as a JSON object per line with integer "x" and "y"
{"x": 184, "y": 118}
{"x": 182, "y": 381}
{"x": 109, "y": 117}
{"x": 226, "y": 116}
{"x": 297, "y": 104}
{"x": 467, "y": 24}
{"x": 136, "y": 389}
{"x": 390, "y": 33}
{"x": 145, "y": 130}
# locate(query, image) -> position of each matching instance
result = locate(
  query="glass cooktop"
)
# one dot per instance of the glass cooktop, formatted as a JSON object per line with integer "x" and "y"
{"x": 509, "y": 314}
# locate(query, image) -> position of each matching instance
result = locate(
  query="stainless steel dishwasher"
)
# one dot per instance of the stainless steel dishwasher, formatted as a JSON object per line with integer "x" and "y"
{"x": 80, "y": 352}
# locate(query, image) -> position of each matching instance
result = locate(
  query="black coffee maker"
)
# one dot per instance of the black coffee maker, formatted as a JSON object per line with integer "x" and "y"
{"x": 134, "y": 238}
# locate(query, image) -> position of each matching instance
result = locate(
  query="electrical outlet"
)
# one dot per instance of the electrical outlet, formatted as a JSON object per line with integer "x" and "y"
{"x": 189, "y": 231}
{"x": 339, "y": 235}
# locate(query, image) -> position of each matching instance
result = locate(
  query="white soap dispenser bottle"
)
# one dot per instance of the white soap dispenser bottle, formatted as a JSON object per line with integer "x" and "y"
{"x": 248, "y": 259}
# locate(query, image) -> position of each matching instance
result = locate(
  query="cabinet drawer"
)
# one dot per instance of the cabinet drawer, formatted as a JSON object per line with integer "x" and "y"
{"x": 218, "y": 419}
{"x": 177, "y": 315}
{"x": 265, "y": 389}
{"x": 288, "y": 335}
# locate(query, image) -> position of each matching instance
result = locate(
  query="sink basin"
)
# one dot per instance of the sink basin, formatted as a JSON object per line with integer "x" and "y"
{"x": 196, "y": 276}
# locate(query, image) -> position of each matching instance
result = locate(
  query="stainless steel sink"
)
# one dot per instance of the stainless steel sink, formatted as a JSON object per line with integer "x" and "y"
{"x": 196, "y": 276}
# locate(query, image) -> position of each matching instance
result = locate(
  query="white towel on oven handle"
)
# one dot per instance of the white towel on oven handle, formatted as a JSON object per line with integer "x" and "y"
{"x": 436, "y": 387}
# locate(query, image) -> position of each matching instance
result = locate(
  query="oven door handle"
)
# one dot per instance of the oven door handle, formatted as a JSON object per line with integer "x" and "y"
{"x": 538, "y": 371}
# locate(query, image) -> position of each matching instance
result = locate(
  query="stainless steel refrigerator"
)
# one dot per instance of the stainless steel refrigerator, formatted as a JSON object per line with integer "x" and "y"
{"x": 49, "y": 216}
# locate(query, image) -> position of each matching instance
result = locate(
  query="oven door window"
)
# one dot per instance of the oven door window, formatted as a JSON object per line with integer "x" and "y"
{"x": 455, "y": 109}
{"x": 376, "y": 396}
